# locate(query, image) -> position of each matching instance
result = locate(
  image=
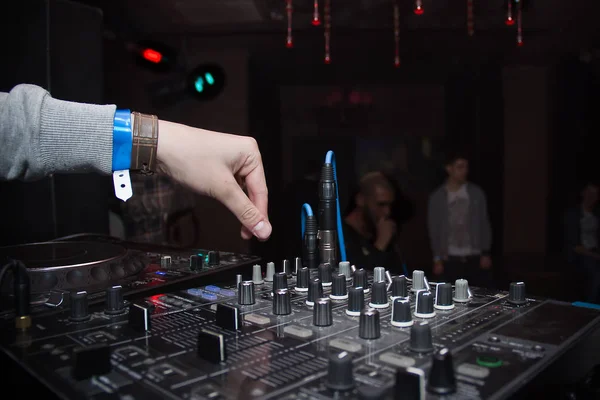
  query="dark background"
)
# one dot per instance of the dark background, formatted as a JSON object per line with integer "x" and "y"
{"x": 526, "y": 114}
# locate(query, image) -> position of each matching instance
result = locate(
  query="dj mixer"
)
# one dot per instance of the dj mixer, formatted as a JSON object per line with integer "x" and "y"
{"x": 290, "y": 332}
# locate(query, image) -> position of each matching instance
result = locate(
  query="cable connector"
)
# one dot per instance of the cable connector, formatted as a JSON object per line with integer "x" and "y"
{"x": 22, "y": 288}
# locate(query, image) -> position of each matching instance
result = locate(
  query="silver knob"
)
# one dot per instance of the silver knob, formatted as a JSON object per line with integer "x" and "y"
{"x": 270, "y": 272}
{"x": 378, "y": 274}
{"x": 418, "y": 280}
{"x": 257, "y": 274}
{"x": 246, "y": 293}
{"x": 322, "y": 313}
{"x": 461, "y": 291}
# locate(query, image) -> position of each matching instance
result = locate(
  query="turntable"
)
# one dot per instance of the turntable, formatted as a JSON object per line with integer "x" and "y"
{"x": 94, "y": 263}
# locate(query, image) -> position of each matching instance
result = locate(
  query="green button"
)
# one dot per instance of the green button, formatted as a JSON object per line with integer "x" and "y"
{"x": 489, "y": 361}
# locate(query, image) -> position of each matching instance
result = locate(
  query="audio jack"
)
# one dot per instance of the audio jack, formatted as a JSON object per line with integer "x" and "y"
{"x": 21, "y": 285}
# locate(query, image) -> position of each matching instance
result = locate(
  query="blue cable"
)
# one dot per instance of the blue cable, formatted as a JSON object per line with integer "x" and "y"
{"x": 330, "y": 159}
{"x": 305, "y": 212}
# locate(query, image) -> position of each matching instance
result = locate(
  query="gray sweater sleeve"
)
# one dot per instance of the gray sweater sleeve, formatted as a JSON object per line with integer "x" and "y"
{"x": 40, "y": 135}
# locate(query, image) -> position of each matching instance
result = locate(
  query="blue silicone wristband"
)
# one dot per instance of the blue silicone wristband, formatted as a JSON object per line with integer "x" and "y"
{"x": 122, "y": 141}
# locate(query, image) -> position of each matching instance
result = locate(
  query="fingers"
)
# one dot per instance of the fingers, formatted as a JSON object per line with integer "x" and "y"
{"x": 256, "y": 185}
{"x": 233, "y": 197}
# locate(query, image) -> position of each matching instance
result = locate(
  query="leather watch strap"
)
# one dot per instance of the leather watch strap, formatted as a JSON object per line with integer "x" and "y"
{"x": 145, "y": 143}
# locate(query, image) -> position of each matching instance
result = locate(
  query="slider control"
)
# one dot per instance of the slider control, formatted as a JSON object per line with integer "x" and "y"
{"x": 139, "y": 316}
{"x": 211, "y": 346}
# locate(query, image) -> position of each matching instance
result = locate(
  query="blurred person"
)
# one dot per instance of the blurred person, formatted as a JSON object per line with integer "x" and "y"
{"x": 370, "y": 232}
{"x": 581, "y": 236}
{"x": 459, "y": 227}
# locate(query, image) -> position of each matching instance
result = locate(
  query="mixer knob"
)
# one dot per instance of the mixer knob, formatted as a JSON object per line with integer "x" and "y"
{"x": 279, "y": 281}
{"x": 257, "y": 274}
{"x": 315, "y": 291}
{"x": 322, "y": 313}
{"x": 339, "y": 372}
{"x": 114, "y": 301}
{"x": 344, "y": 269}
{"x": 443, "y": 296}
{"x": 165, "y": 262}
{"x": 338, "y": 289}
{"x": 401, "y": 316}
{"x": 325, "y": 274}
{"x": 270, "y": 272}
{"x": 195, "y": 262}
{"x": 356, "y": 301}
{"x": 214, "y": 258}
{"x": 461, "y": 291}
{"x": 399, "y": 287}
{"x": 420, "y": 338}
{"x": 246, "y": 293}
{"x": 424, "y": 305}
{"x": 378, "y": 274}
{"x": 287, "y": 268}
{"x": 516, "y": 294}
{"x": 302, "y": 280}
{"x": 441, "y": 376}
{"x": 282, "y": 302}
{"x": 369, "y": 325}
{"x": 79, "y": 307}
{"x": 361, "y": 279}
{"x": 418, "y": 280}
{"x": 297, "y": 265}
{"x": 379, "y": 298}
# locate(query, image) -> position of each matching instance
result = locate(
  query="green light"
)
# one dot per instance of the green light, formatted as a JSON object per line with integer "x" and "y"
{"x": 199, "y": 84}
{"x": 209, "y": 78}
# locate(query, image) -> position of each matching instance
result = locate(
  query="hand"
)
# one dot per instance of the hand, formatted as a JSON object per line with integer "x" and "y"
{"x": 218, "y": 165}
{"x": 386, "y": 229}
{"x": 485, "y": 262}
{"x": 438, "y": 268}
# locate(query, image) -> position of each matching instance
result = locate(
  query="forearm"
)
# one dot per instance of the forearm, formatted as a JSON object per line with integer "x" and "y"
{"x": 42, "y": 135}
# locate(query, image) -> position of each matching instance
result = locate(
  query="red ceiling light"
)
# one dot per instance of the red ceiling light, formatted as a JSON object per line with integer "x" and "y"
{"x": 418, "y": 7}
{"x": 152, "y": 55}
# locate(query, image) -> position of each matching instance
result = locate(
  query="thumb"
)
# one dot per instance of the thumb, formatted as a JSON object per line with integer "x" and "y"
{"x": 246, "y": 212}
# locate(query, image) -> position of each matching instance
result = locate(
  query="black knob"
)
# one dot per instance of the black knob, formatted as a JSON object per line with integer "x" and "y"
{"x": 214, "y": 258}
{"x": 441, "y": 376}
{"x": 139, "y": 316}
{"x": 246, "y": 293}
{"x": 322, "y": 313}
{"x": 325, "y": 274}
{"x": 338, "y": 289}
{"x": 356, "y": 301}
{"x": 282, "y": 302}
{"x": 91, "y": 360}
{"x": 315, "y": 291}
{"x": 79, "y": 307}
{"x": 279, "y": 281}
{"x": 379, "y": 298}
{"x": 401, "y": 316}
{"x": 443, "y": 296}
{"x": 114, "y": 301}
{"x": 399, "y": 288}
{"x": 302, "y": 280}
{"x": 361, "y": 279}
{"x": 287, "y": 268}
{"x": 339, "y": 372}
{"x": 516, "y": 294}
{"x": 410, "y": 384}
{"x": 420, "y": 338}
{"x": 195, "y": 262}
{"x": 369, "y": 325}
{"x": 424, "y": 305}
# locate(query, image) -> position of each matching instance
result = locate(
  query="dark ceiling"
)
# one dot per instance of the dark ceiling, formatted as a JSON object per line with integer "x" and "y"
{"x": 555, "y": 26}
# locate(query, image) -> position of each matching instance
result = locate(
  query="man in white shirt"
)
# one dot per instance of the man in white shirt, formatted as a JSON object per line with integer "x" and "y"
{"x": 459, "y": 227}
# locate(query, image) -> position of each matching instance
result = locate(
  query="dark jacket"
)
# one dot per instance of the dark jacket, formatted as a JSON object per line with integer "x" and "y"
{"x": 572, "y": 230}
{"x": 362, "y": 253}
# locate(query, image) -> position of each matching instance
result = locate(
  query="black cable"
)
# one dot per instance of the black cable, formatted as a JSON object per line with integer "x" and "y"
{"x": 22, "y": 290}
